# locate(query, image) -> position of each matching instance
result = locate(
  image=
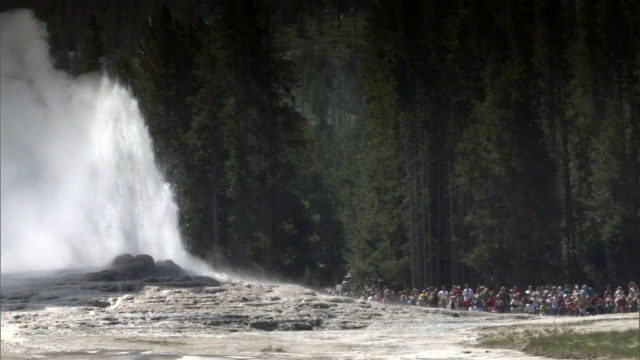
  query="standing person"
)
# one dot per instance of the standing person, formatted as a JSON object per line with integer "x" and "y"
{"x": 433, "y": 298}
{"x": 531, "y": 307}
{"x": 467, "y": 293}
{"x": 633, "y": 290}
{"x": 621, "y": 304}
{"x": 515, "y": 303}
{"x": 345, "y": 287}
{"x": 553, "y": 304}
{"x": 609, "y": 307}
{"x": 584, "y": 292}
{"x": 453, "y": 303}
{"x": 442, "y": 296}
{"x": 619, "y": 292}
{"x": 504, "y": 299}
{"x": 600, "y": 308}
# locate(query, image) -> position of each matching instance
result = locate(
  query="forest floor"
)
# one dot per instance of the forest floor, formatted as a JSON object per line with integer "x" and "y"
{"x": 181, "y": 318}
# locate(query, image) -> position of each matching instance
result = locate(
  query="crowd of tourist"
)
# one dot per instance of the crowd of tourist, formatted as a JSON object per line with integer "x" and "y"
{"x": 543, "y": 300}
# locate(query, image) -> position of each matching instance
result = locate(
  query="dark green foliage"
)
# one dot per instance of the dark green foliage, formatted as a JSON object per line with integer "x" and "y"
{"x": 517, "y": 107}
{"x": 164, "y": 85}
{"x": 415, "y": 142}
{"x": 94, "y": 48}
{"x": 607, "y": 91}
{"x": 514, "y": 210}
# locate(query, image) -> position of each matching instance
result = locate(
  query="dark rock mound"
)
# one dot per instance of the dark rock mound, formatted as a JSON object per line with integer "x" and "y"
{"x": 104, "y": 275}
{"x": 134, "y": 267}
{"x": 183, "y": 281}
{"x": 129, "y": 267}
{"x": 129, "y": 273}
{"x": 168, "y": 268}
{"x": 265, "y": 325}
{"x": 122, "y": 260}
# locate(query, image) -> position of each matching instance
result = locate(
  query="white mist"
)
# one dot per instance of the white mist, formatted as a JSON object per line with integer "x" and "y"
{"x": 79, "y": 181}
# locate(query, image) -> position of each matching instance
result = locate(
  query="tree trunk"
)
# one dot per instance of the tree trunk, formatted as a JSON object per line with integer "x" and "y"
{"x": 453, "y": 239}
{"x": 438, "y": 227}
{"x": 415, "y": 228}
{"x": 570, "y": 230}
{"x": 611, "y": 269}
{"x": 426, "y": 228}
{"x": 217, "y": 250}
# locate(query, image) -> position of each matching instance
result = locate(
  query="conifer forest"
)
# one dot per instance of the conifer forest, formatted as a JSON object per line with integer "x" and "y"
{"x": 415, "y": 143}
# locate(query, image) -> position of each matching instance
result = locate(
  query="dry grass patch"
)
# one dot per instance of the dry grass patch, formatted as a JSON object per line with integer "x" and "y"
{"x": 273, "y": 349}
{"x": 567, "y": 343}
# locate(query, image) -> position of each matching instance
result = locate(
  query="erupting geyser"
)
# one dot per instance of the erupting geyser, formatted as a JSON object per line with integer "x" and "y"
{"x": 79, "y": 182}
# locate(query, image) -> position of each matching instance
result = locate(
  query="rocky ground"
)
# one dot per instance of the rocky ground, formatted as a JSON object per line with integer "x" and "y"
{"x": 172, "y": 315}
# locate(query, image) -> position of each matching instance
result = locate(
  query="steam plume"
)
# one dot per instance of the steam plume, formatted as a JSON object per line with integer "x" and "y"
{"x": 79, "y": 182}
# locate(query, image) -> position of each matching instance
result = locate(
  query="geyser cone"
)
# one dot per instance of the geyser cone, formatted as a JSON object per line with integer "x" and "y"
{"x": 79, "y": 182}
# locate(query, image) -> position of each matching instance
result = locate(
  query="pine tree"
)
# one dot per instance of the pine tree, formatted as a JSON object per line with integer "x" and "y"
{"x": 506, "y": 169}
{"x": 260, "y": 131}
{"x": 164, "y": 84}
{"x": 611, "y": 221}
{"x": 94, "y": 52}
